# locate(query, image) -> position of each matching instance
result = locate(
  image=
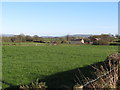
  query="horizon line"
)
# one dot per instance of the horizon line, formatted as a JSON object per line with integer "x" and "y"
{"x": 56, "y": 35}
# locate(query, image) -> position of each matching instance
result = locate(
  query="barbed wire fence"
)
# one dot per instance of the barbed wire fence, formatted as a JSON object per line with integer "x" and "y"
{"x": 107, "y": 76}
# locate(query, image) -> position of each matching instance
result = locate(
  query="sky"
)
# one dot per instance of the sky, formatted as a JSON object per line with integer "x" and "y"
{"x": 59, "y": 18}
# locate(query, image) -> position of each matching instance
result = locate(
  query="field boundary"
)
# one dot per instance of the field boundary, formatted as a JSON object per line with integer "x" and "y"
{"x": 107, "y": 75}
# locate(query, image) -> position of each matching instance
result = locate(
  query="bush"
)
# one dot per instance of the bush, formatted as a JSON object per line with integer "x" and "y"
{"x": 115, "y": 43}
{"x": 101, "y": 42}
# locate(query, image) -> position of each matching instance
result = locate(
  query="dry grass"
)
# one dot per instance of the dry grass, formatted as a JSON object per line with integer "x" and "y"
{"x": 107, "y": 74}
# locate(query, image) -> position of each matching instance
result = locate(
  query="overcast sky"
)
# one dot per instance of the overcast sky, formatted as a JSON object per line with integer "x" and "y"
{"x": 59, "y": 18}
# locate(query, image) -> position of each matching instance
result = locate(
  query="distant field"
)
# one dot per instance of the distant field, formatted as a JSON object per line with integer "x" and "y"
{"x": 24, "y": 64}
{"x": 23, "y": 44}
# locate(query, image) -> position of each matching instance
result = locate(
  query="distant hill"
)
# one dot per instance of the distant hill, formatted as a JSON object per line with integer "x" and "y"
{"x": 47, "y": 36}
{"x": 74, "y": 35}
{"x": 7, "y": 35}
{"x": 82, "y": 35}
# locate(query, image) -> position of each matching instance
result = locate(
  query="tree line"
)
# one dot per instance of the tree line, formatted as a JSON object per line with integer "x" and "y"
{"x": 36, "y": 38}
{"x": 103, "y": 39}
{"x": 21, "y": 38}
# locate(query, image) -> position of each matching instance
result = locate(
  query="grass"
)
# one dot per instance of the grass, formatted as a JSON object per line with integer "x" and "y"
{"x": 24, "y": 64}
{"x": 23, "y": 43}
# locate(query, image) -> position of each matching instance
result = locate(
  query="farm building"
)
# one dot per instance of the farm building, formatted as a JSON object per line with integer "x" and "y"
{"x": 77, "y": 41}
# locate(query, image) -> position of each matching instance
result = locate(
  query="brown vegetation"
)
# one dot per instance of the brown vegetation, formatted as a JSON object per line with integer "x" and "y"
{"x": 107, "y": 75}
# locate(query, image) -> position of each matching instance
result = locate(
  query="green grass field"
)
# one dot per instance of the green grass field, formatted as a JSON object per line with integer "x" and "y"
{"x": 23, "y": 43}
{"x": 24, "y": 64}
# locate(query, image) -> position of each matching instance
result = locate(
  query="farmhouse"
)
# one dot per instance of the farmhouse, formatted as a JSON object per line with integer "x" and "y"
{"x": 77, "y": 41}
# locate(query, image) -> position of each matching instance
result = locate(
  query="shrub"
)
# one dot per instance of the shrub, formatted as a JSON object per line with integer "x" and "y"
{"x": 101, "y": 42}
{"x": 115, "y": 43}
